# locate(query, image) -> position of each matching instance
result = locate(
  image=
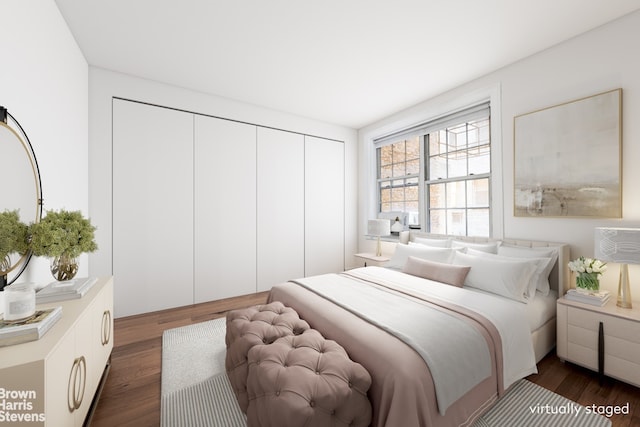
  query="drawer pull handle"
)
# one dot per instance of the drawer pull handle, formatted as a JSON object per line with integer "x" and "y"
{"x": 601, "y": 352}
{"x": 77, "y": 383}
{"x": 106, "y": 327}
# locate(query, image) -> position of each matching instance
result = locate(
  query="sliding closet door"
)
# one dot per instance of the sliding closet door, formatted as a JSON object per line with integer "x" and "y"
{"x": 152, "y": 208}
{"x": 225, "y": 209}
{"x": 280, "y": 207}
{"x": 324, "y": 206}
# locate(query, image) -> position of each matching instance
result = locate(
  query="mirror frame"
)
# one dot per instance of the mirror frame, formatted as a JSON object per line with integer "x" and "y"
{"x": 20, "y": 134}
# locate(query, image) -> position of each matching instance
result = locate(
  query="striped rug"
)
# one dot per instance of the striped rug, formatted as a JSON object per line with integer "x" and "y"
{"x": 197, "y": 393}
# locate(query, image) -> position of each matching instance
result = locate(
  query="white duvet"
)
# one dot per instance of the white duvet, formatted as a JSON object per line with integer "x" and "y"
{"x": 508, "y": 316}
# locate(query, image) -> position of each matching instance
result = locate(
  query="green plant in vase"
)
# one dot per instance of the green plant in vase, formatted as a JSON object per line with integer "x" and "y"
{"x": 588, "y": 271}
{"x": 63, "y": 236}
{"x": 13, "y": 238}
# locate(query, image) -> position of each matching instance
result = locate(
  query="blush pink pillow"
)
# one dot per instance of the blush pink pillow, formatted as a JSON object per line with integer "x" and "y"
{"x": 440, "y": 272}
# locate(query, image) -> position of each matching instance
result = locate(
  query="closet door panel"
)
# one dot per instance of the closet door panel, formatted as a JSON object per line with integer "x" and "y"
{"x": 152, "y": 208}
{"x": 280, "y": 207}
{"x": 225, "y": 209}
{"x": 324, "y": 206}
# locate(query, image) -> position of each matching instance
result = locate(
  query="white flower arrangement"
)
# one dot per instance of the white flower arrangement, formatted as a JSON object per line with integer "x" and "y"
{"x": 588, "y": 265}
{"x": 587, "y": 271}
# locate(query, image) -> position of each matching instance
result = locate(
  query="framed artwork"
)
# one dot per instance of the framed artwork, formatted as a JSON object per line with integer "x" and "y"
{"x": 567, "y": 159}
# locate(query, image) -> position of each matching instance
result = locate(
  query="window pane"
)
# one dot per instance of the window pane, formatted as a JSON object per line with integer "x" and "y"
{"x": 456, "y": 222}
{"x": 437, "y": 222}
{"x": 413, "y": 148}
{"x": 483, "y": 131}
{"x": 385, "y": 207}
{"x": 456, "y": 197}
{"x": 480, "y": 160}
{"x": 437, "y": 168}
{"x": 386, "y": 157}
{"x": 411, "y": 193}
{"x": 399, "y": 169}
{"x": 457, "y": 137}
{"x": 413, "y": 207}
{"x": 397, "y": 194}
{"x": 458, "y": 165}
{"x": 386, "y": 172}
{"x": 413, "y": 167}
{"x": 398, "y": 152}
{"x": 397, "y": 206}
{"x": 437, "y": 143}
{"x": 478, "y": 222}
{"x": 478, "y": 193}
{"x": 385, "y": 195}
{"x": 436, "y": 196}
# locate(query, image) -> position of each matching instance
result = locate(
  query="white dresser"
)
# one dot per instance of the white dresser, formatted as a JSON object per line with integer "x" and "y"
{"x": 605, "y": 339}
{"x": 53, "y": 381}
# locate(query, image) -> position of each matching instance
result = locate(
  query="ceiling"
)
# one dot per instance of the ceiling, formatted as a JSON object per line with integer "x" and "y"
{"x": 347, "y": 62}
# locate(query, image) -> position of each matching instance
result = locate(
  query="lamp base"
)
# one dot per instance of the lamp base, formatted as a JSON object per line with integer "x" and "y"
{"x": 379, "y": 248}
{"x": 624, "y": 290}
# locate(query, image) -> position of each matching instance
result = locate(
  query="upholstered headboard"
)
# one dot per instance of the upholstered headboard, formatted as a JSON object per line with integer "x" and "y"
{"x": 559, "y": 278}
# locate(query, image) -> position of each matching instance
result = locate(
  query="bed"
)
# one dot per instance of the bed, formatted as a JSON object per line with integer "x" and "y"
{"x": 408, "y": 387}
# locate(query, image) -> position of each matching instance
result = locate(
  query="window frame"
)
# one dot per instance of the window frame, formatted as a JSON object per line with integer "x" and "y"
{"x": 418, "y": 177}
{"x": 424, "y": 112}
{"x": 469, "y": 177}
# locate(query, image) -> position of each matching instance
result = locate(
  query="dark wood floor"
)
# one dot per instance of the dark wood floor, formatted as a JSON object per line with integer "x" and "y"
{"x": 131, "y": 396}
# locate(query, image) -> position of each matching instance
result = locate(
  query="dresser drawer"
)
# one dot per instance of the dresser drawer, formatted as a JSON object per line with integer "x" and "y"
{"x": 584, "y": 356}
{"x": 621, "y": 343}
{"x": 622, "y": 369}
{"x": 613, "y": 326}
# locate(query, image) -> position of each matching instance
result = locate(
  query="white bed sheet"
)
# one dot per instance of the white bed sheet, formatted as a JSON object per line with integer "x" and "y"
{"x": 541, "y": 309}
{"x": 538, "y": 312}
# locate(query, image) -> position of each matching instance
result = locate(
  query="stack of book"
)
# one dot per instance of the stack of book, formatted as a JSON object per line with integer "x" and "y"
{"x": 31, "y": 329}
{"x": 598, "y": 298}
{"x": 66, "y": 290}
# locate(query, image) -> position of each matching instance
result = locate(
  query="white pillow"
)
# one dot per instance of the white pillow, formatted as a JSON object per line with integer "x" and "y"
{"x": 491, "y": 248}
{"x": 440, "y": 243}
{"x": 551, "y": 254}
{"x": 403, "y": 252}
{"x": 508, "y": 278}
{"x": 538, "y": 279}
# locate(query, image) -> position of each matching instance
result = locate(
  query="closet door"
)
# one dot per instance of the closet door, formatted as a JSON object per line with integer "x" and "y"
{"x": 324, "y": 206}
{"x": 152, "y": 208}
{"x": 280, "y": 181}
{"x": 225, "y": 209}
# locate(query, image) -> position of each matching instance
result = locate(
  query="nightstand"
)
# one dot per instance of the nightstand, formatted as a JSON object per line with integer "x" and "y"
{"x": 605, "y": 339}
{"x": 372, "y": 259}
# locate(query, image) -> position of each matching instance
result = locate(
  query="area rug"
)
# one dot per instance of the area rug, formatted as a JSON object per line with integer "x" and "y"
{"x": 197, "y": 393}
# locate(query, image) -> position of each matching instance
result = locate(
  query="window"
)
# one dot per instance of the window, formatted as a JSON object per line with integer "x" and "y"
{"x": 455, "y": 195}
{"x": 399, "y": 178}
{"x": 457, "y": 180}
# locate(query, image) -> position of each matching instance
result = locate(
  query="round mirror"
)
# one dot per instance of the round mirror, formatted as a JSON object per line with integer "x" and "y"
{"x": 21, "y": 188}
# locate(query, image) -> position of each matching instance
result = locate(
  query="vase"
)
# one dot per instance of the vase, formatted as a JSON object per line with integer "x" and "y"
{"x": 64, "y": 267}
{"x": 588, "y": 281}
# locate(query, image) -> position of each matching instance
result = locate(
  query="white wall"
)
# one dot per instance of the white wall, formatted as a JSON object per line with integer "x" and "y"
{"x": 105, "y": 84}
{"x": 594, "y": 62}
{"x": 44, "y": 85}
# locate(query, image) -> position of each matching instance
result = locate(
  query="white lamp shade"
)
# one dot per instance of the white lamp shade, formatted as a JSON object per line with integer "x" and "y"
{"x": 620, "y": 245}
{"x": 379, "y": 227}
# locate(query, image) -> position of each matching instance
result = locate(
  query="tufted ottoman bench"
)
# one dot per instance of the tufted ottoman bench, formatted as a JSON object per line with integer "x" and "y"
{"x": 257, "y": 325}
{"x": 306, "y": 380}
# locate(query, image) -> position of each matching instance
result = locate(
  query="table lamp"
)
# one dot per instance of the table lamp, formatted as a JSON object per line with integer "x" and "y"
{"x": 379, "y": 227}
{"x": 620, "y": 245}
